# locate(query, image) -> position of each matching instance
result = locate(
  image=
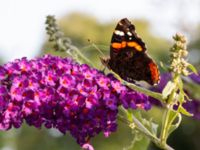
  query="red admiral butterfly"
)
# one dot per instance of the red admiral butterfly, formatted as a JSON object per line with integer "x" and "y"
{"x": 128, "y": 56}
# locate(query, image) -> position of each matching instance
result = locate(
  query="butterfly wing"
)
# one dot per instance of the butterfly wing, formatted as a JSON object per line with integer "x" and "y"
{"x": 128, "y": 56}
{"x": 125, "y": 38}
{"x": 139, "y": 67}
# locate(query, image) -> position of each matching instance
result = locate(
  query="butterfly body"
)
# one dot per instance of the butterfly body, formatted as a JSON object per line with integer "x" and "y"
{"x": 128, "y": 56}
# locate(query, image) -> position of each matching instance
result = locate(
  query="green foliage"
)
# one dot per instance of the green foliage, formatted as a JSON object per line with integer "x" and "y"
{"x": 184, "y": 111}
{"x": 192, "y": 68}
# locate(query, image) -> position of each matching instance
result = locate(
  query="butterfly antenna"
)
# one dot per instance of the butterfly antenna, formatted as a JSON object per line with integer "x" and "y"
{"x": 97, "y": 48}
{"x": 103, "y": 58}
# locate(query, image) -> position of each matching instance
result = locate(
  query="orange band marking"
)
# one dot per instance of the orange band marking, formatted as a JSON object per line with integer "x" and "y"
{"x": 135, "y": 45}
{"x": 132, "y": 44}
{"x": 123, "y": 44}
{"x": 116, "y": 45}
{"x": 119, "y": 45}
{"x": 154, "y": 72}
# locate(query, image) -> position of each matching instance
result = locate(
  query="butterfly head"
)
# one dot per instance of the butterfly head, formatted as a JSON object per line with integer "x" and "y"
{"x": 105, "y": 62}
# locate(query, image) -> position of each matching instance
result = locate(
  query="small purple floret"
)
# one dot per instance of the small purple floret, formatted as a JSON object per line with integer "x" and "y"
{"x": 195, "y": 78}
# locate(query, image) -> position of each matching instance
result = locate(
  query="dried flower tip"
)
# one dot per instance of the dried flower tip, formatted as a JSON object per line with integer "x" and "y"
{"x": 183, "y": 53}
{"x": 178, "y": 53}
{"x": 180, "y": 37}
{"x": 62, "y": 43}
{"x": 180, "y": 45}
{"x": 50, "y": 20}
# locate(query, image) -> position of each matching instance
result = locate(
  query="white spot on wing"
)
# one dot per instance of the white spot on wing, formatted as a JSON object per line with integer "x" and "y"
{"x": 120, "y": 33}
{"x": 129, "y": 33}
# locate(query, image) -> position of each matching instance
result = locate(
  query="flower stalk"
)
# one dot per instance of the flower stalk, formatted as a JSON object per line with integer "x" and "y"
{"x": 165, "y": 126}
{"x": 155, "y": 95}
{"x": 179, "y": 66}
{"x": 63, "y": 43}
{"x": 134, "y": 123}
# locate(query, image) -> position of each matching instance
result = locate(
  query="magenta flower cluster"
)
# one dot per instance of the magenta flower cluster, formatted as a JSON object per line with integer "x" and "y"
{"x": 58, "y": 93}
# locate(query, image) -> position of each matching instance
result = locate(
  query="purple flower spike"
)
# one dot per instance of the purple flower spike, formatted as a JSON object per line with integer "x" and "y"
{"x": 59, "y": 93}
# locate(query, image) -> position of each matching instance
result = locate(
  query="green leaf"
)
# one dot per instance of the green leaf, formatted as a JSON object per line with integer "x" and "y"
{"x": 139, "y": 141}
{"x": 151, "y": 126}
{"x": 176, "y": 125}
{"x": 142, "y": 144}
{"x": 137, "y": 114}
{"x": 168, "y": 89}
{"x": 184, "y": 111}
{"x": 154, "y": 128}
{"x": 193, "y": 69}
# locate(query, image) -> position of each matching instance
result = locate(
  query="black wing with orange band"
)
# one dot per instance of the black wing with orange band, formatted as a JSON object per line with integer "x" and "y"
{"x": 128, "y": 56}
{"x": 125, "y": 37}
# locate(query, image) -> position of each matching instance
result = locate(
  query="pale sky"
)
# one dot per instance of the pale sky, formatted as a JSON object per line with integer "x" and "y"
{"x": 22, "y": 29}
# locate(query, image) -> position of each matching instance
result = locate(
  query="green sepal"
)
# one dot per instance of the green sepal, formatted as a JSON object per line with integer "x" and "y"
{"x": 184, "y": 111}
{"x": 176, "y": 125}
{"x": 193, "y": 69}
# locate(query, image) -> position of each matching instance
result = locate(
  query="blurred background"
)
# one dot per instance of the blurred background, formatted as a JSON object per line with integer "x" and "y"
{"x": 22, "y": 33}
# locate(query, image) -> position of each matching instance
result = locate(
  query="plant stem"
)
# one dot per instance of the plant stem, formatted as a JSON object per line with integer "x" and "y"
{"x": 136, "y": 124}
{"x": 167, "y": 122}
{"x": 58, "y": 37}
{"x": 164, "y": 130}
{"x": 81, "y": 55}
{"x": 145, "y": 91}
{"x": 155, "y": 95}
{"x": 147, "y": 133}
